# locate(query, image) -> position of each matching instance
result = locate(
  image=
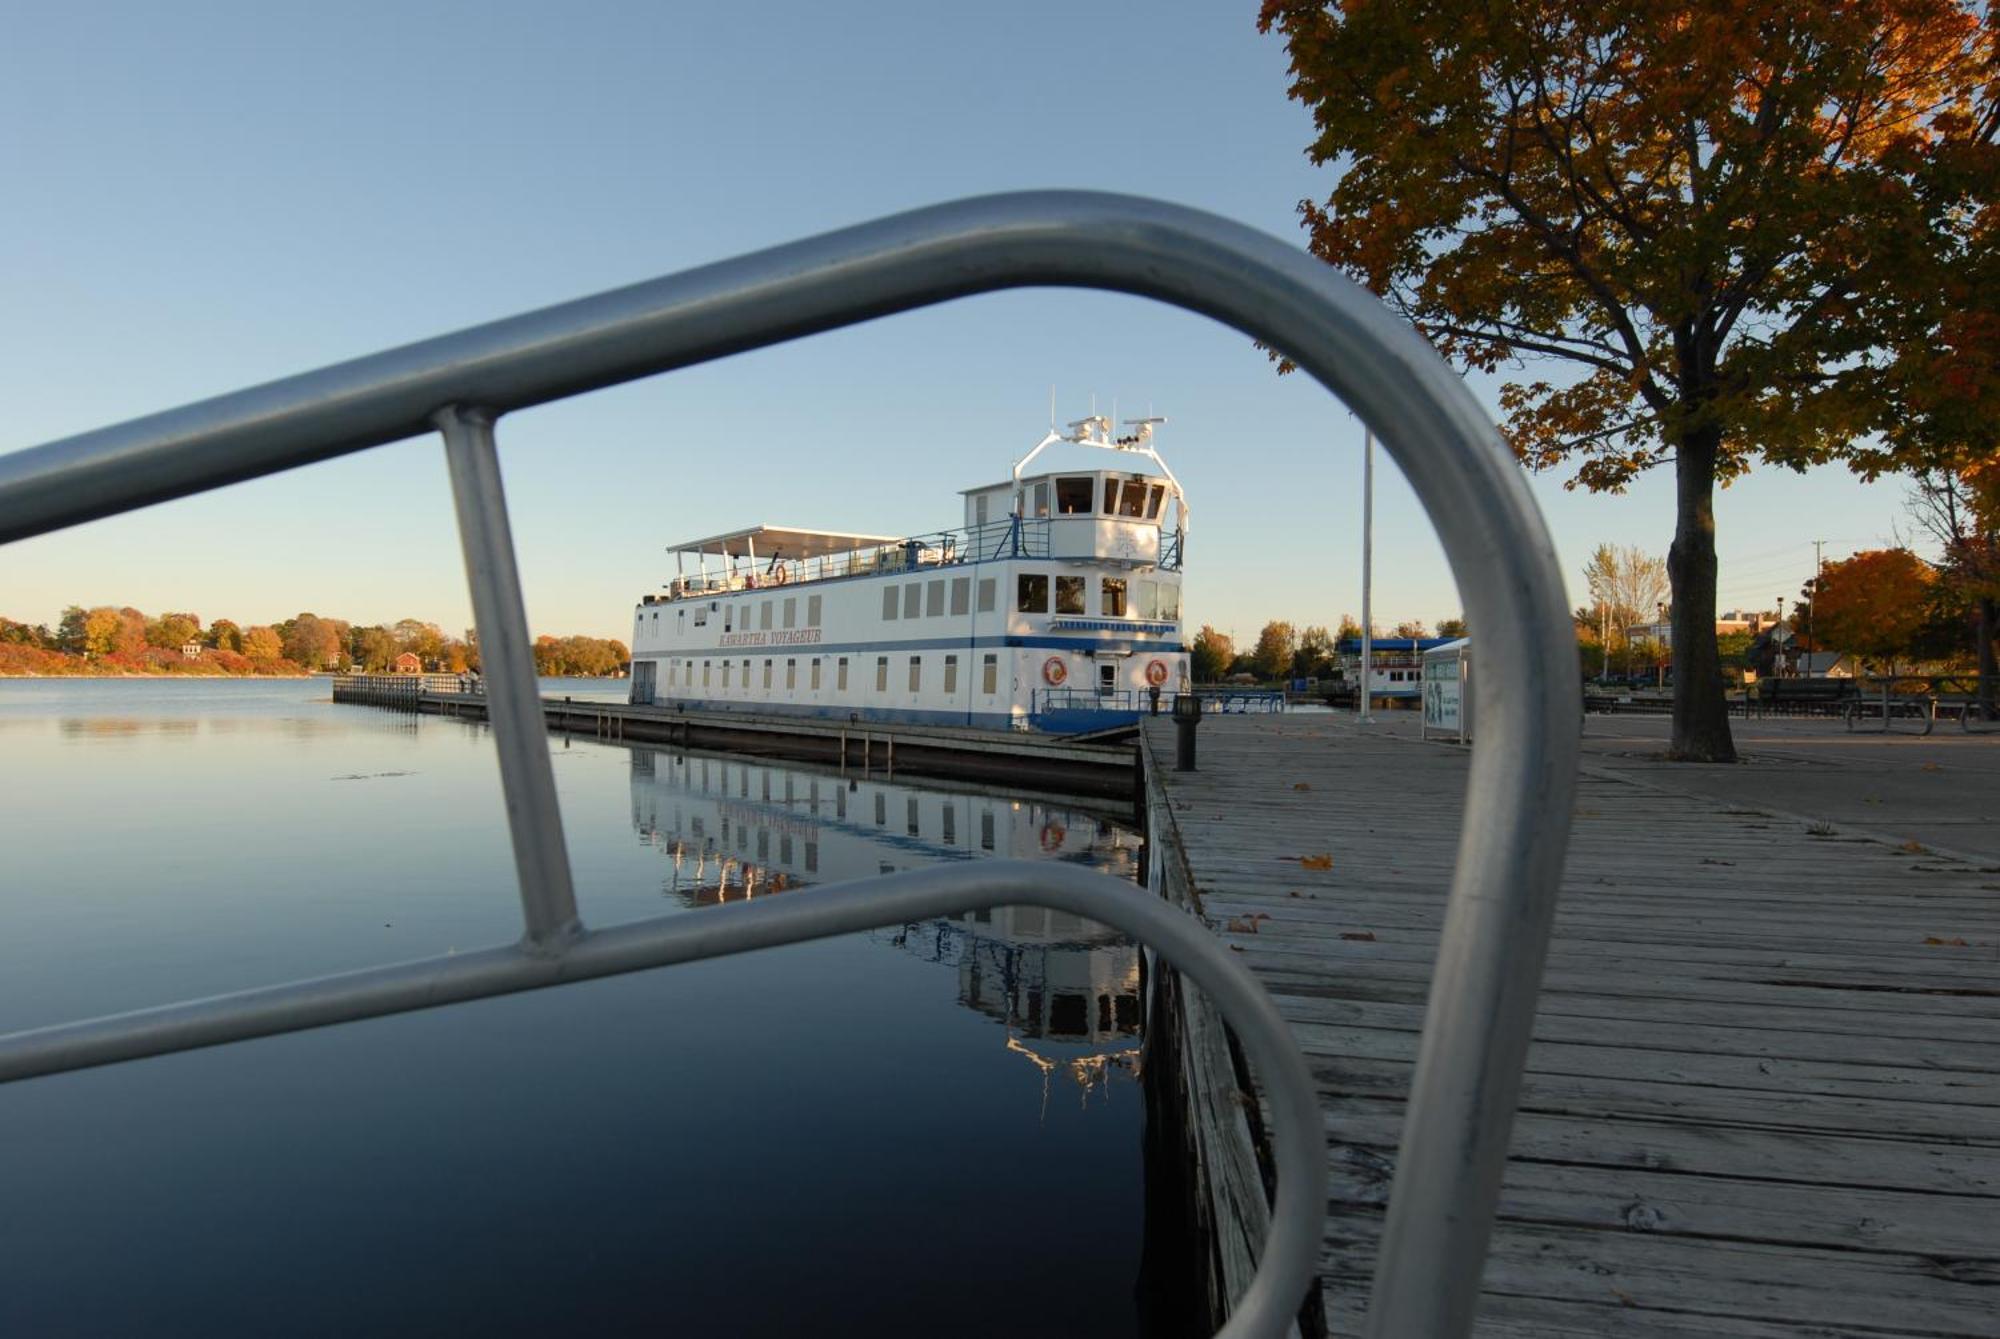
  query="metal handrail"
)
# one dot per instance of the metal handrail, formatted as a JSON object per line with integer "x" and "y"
{"x": 1496, "y": 928}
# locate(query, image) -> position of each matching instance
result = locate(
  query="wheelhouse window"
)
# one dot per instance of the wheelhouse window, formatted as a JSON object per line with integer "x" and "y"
{"x": 1153, "y": 503}
{"x": 1132, "y": 501}
{"x": 1069, "y": 595}
{"x": 1110, "y": 497}
{"x": 1041, "y": 498}
{"x": 1073, "y": 495}
{"x": 889, "y": 599}
{"x": 1114, "y": 597}
{"x": 1034, "y": 593}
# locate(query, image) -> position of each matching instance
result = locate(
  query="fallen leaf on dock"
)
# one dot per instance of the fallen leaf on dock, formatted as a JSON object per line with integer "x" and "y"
{"x": 1300, "y": 785}
{"x": 1913, "y": 847}
{"x": 1237, "y": 925}
{"x": 1935, "y": 942}
{"x": 1365, "y": 936}
{"x": 1324, "y": 860}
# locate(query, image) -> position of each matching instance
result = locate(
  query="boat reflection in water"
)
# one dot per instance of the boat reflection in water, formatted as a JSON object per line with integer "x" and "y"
{"x": 1065, "y": 990}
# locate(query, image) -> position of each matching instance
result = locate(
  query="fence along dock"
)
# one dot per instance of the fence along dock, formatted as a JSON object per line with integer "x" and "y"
{"x": 1763, "y": 1097}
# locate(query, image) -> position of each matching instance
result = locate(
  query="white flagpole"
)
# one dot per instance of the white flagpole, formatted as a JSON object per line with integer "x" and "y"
{"x": 1367, "y": 572}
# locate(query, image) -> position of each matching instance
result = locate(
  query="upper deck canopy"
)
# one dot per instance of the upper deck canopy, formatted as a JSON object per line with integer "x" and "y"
{"x": 777, "y": 541}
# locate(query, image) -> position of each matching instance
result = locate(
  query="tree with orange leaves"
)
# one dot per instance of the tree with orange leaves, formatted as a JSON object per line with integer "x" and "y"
{"x": 1876, "y": 604}
{"x": 1730, "y": 217}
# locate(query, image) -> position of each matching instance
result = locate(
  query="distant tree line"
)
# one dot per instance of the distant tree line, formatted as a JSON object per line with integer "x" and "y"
{"x": 112, "y": 640}
{"x": 1283, "y": 651}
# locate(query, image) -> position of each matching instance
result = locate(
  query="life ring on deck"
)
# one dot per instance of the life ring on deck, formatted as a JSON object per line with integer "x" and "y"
{"x": 1156, "y": 672}
{"x": 777, "y": 576}
{"x": 1052, "y": 836}
{"x": 1054, "y": 672}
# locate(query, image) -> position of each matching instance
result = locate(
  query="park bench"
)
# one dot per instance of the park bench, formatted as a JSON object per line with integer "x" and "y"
{"x": 1804, "y": 697}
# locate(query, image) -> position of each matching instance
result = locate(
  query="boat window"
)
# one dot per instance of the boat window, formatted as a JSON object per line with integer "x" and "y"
{"x": 746, "y": 675}
{"x": 913, "y": 599}
{"x": 979, "y": 510}
{"x": 840, "y": 675}
{"x": 881, "y": 808}
{"x": 986, "y": 594}
{"x": 989, "y": 675}
{"x": 1146, "y": 599}
{"x": 764, "y": 616}
{"x": 934, "y": 599}
{"x": 1114, "y": 597}
{"x": 881, "y": 674}
{"x": 1069, "y": 595}
{"x": 916, "y": 677}
{"x": 1073, "y": 495}
{"x": 961, "y": 596}
{"x": 950, "y": 834}
{"x": 812, "y": 611}
{"x": 1153, "y": 506}
{"x": 701, "y": 618}
{"x": 725, "y": 673}
{"x": 950, "y": 675}
{"x": 889, "y": 603}
{"x": 767, "y": 673}
{"x": 728, "y": 615}
{"x": 791, "y": 675}
{"x": 1110, "y": 497}
{"x": 1042, "y": 498}
{"x": 815, "y": 674}
{"x": 910, "y": 824}
{"x": 1034, "y": 593}
{"x": 986, "y": 831}
{"x": 791, "y": 611}
{"x": 1132, "y": 502}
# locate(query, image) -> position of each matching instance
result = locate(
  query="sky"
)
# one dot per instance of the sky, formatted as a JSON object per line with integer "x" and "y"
{"x": 202, "y": 197}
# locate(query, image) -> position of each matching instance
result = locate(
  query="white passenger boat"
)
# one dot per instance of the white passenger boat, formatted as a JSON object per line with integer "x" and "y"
{"x": 1056, "y": 607}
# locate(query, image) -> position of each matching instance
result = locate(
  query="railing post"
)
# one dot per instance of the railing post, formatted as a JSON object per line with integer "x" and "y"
{"x": 507, "y": 663}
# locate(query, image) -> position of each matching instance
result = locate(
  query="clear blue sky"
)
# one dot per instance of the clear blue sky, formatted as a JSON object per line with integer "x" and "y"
{"x": 205, "y": 196}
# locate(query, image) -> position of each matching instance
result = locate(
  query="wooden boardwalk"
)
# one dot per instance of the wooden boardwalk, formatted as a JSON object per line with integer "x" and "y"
{"x": 1764, "y": 1094}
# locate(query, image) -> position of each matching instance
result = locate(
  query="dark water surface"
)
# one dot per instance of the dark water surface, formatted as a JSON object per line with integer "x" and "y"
{"x": 928, "y": 1131}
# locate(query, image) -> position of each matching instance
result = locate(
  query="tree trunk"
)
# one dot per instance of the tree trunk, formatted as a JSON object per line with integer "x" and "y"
{"x": 1701, "y": 715}
{"x": 1988, "y": 670}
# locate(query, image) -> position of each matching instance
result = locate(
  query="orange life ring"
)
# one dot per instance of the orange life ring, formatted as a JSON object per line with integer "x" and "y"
{"x": 1054, "y": 672}
{"x": 778, "y": 576}
{"x": 1156, "y": 673}
{"x": 1052, "y": 836}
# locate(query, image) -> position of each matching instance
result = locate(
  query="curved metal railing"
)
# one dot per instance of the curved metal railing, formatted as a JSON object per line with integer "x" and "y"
{"x": 1518, "y": 808}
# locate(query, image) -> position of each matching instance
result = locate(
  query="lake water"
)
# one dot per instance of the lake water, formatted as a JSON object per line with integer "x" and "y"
{"x": 933, "y": 1130}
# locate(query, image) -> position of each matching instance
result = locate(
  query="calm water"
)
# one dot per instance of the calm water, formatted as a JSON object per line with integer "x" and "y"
{"x": 931, "y": 1131}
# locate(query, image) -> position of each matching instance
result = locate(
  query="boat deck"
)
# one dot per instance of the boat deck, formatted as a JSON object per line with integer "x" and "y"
{"x": 1764, "y": 1094}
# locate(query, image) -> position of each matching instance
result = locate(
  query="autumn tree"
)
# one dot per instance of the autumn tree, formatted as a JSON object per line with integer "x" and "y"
{"x": 1412, "y": 628}
{"x": 170, "y": 632}
{"x": 1959, "y": 508}
{"x": 1626, "y": 586}
{"x": 1272, "y": 655}
{"x": 1451, "y": 627}
{"x": 263, "y": 644}
{"x": 1715, "y": 214}
{"x": 71, "y": 635}
{"x": 1875, "y": 604}
{"x": 1314, "y": 657}
{"x": 309, "y": 640}
{"x": 1209, "y": 655}
{"x": 224, "y": 635}
{"x": 1350, "y": 629}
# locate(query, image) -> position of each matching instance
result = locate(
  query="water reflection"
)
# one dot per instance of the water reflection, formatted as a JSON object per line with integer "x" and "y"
{"x": 1064, "y": 990}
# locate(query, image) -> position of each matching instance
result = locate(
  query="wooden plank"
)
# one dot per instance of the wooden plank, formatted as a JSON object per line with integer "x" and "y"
{"x": 1762, "y": 1098}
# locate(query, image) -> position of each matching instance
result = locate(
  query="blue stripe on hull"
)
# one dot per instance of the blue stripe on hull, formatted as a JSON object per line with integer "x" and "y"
{"x": 1063, "y": 722}
{"x": 794, "y": 649}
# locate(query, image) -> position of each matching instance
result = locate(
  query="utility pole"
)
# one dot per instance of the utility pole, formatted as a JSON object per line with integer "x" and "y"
{"x": 1812, "y": 601}
{"x": 1367, "y": 569}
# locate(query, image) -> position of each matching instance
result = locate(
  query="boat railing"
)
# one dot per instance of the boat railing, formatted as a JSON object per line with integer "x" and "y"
{"x": 1519, "y": 795}
{"x": 1015, "y": 537}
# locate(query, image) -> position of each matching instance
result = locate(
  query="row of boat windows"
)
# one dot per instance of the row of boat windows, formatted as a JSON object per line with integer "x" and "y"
{"x": 1138, "y": 499}
{"x": 1148, "y": 599}
{"x": 927, "y": 599}
{"x": 681, "y": 673}
{"x": 787, "y": 610}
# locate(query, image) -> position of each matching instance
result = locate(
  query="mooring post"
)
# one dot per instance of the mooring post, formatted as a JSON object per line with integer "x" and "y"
{"x": 1187, "y": 715}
